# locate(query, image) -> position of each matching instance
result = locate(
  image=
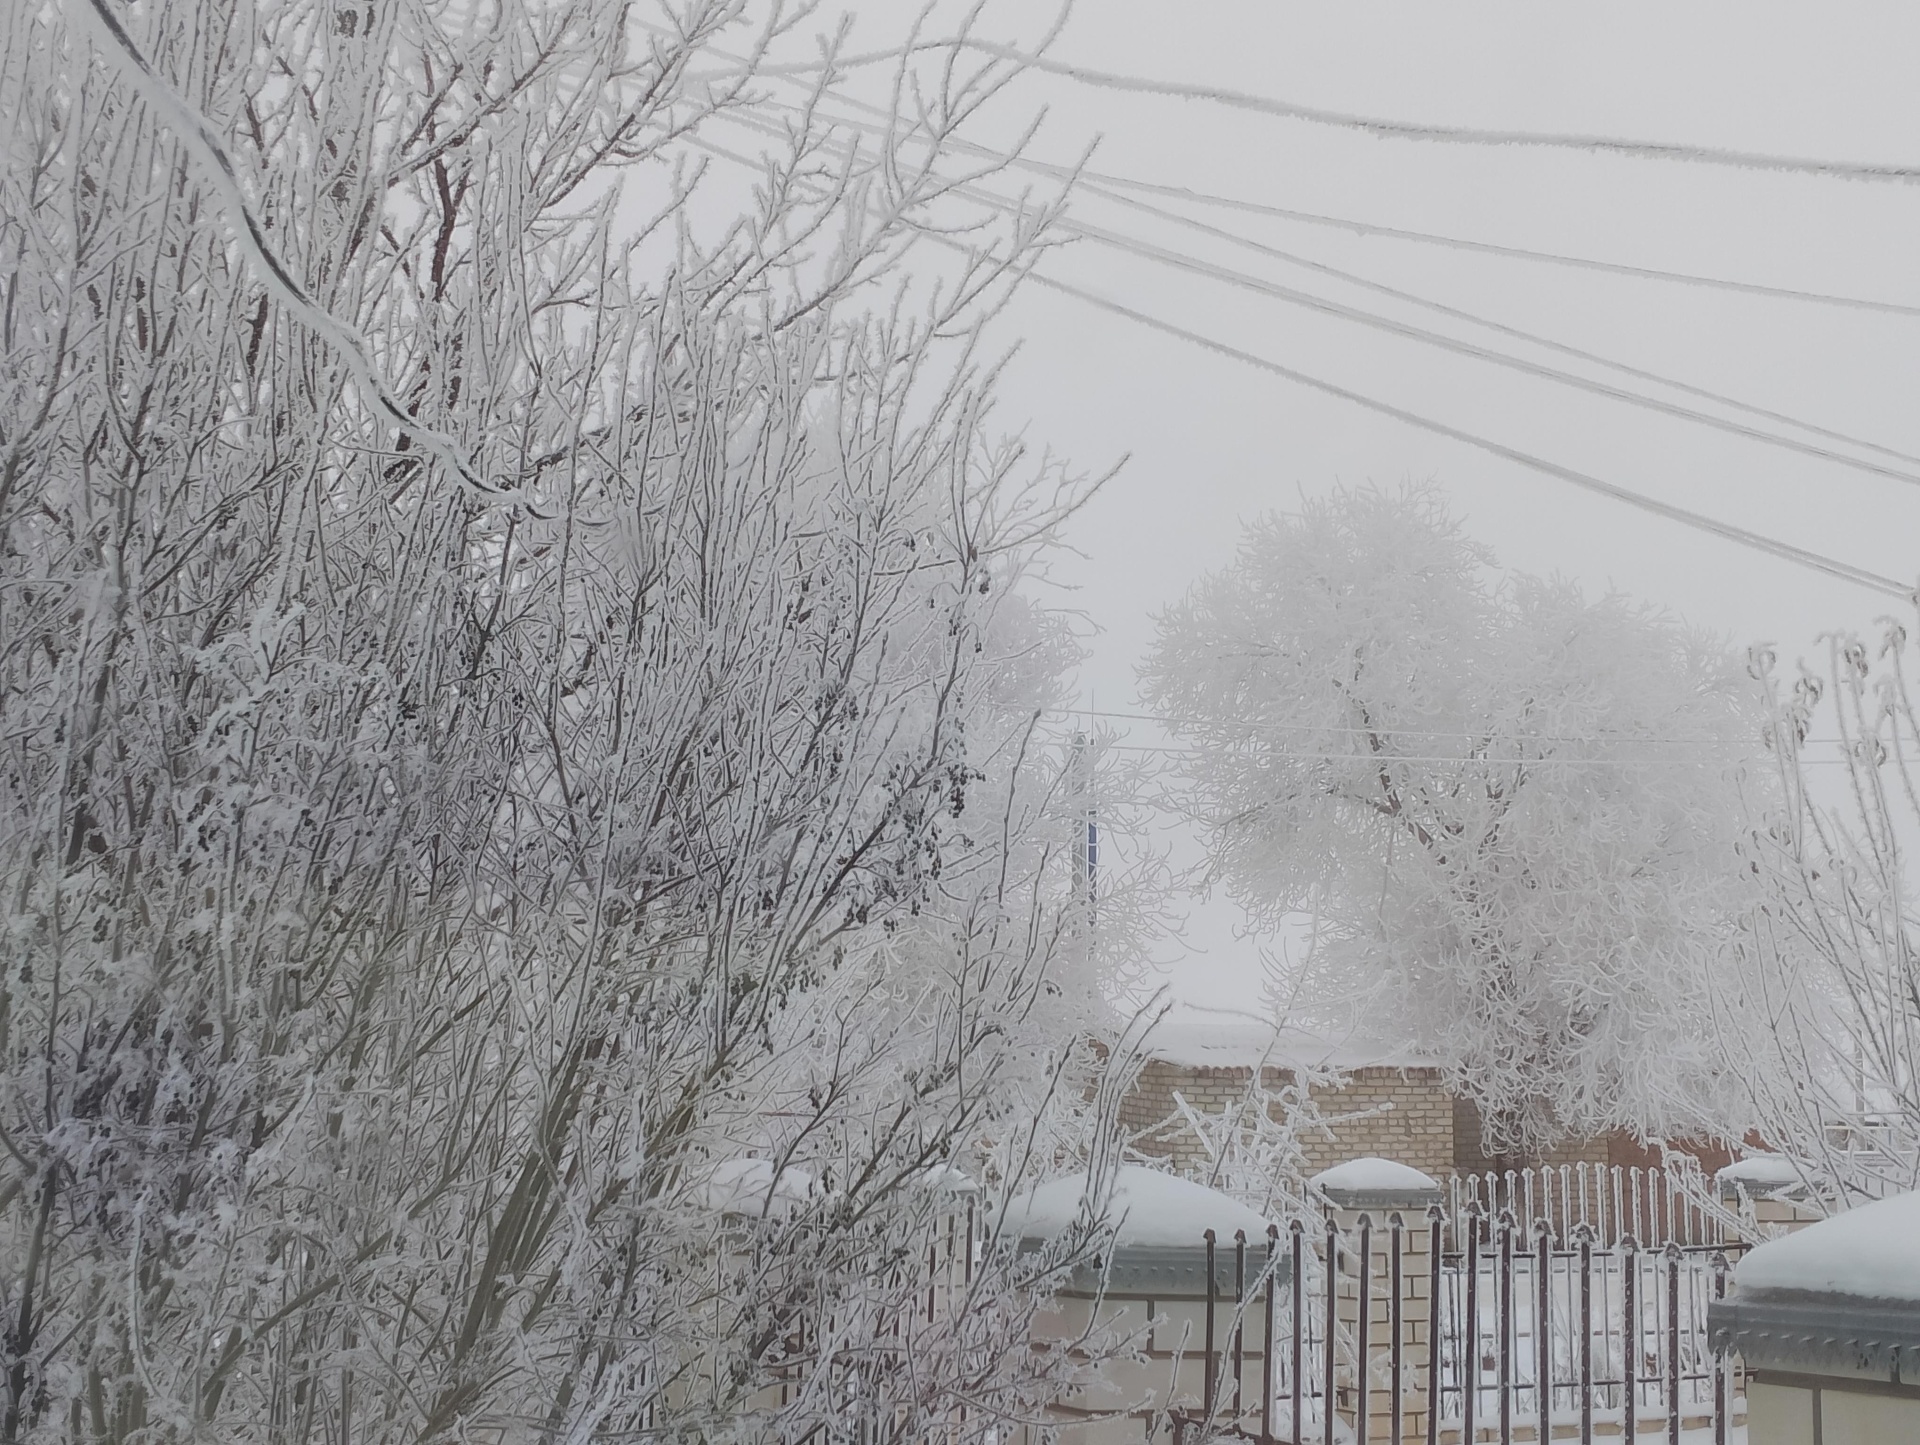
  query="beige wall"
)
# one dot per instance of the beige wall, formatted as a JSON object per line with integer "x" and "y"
{"x": 1400, "y": 1114}
{"x": 1393, "y": 1113}
{"x": 1845, "y": 1413}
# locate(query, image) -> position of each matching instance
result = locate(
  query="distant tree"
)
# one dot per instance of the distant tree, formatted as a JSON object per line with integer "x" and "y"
{"x": 1515, "y": 812}
{"x": 1836, "y": 1075}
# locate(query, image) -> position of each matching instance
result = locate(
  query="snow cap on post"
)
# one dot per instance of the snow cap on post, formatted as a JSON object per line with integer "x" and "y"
{"x": 1376, "y": 1184}
{"x": 1149, "y": 1209}
{"x": 1758, "y": 1176}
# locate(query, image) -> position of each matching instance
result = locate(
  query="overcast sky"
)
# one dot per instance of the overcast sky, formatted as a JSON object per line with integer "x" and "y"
{"x": 1212, "y": 442}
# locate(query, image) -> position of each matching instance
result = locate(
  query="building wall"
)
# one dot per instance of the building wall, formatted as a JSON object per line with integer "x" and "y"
{"x": 1392, "y": 1113}
{"x": 1400, "y": 1114}
{"x": 1471, "y": 1155}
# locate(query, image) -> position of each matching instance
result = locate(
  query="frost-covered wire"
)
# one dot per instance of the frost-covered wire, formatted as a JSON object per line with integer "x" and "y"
{"x": 1133, "y": 245}
{"x": 1741, "y": 536}
{"x": 1093, "y": 180}
{"x": 1389, "y": 129}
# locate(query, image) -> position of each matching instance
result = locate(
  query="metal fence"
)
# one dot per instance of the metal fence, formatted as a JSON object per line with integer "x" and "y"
{"x": 1529, "y": 1334}
{"x": 1616, "y": 1203}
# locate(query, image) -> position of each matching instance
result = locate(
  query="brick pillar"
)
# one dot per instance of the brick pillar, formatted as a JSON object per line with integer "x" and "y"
{"x": 1379, "y": 1213}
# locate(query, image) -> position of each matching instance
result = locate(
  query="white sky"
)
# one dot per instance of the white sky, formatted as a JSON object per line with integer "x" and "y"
{"x": 1212, "y": 442}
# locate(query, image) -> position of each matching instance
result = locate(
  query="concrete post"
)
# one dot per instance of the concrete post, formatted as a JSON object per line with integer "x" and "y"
{"x": 1179, "y": 1325}
{"x": 1379, "y": 1211}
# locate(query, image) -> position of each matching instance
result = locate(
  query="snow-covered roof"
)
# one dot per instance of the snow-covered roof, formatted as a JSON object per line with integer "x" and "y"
{"x": 1150, "y": 1209}
{"x": 1221, "y": 1039}
{"x": 1871, "y": 1252}
{"x": 747, "y": 1186}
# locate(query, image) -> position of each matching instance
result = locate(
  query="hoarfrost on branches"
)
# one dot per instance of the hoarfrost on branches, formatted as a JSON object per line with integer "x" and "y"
{"x": 1836, "y": 1078}
{"x": 420, "y": 893}
{"x": 1516, "y": 812}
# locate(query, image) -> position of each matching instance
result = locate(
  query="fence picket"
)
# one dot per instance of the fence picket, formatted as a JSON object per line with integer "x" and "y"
{"x": 1436, "y": 1322}
{"x": 1470, "y": 1333}
{"x": 1543, "y": 1326}
{"x": 1508, "y": 1328}
{"x": 1396, "y": 1327}
{"x": 1333, "y": 1294}
{"x": 1673, "y": 1342}
{"x": 1362, "y": 1354}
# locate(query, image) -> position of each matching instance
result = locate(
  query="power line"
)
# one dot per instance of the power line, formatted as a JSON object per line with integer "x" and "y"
{"x": 1182, "y": 261}
{"x": 1389, "y": 129}
{"x": 1384, "y": 758}
{"x": 1177, "y": 723}
{"x": 1080, "y": 174}
{"x": 1801, "y": 556}
{"x": 1846, "y": 571}
{"x": 1533, "y": 338}
{"x": 1490, "y": 248}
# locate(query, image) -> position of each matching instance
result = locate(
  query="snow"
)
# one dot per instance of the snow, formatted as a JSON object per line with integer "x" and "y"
{"x": 1871, "y": 1252}
{"x": 1375, "y": 1176}
{"x": 747, "y": 1186}
{"x": 1758, "y": 1174}
{"x": 945, "y": 1179}
{"x": 1202, "y": 1038}
{"x": 1150, "y": 1209}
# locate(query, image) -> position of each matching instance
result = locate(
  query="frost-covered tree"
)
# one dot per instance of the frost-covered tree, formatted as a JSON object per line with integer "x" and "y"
{"x": 1514, "y": 811}
{"x": 1836, "y": 1072}
{"x": 528, "y": 854}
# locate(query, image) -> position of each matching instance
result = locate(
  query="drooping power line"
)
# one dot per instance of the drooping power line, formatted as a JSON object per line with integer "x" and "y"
{"x": 1488, "y": 248}
{"x": 1326, "y": 306}
{"x": 1146, "y": 250}
{"x": 1786, "y": 551}
{"x": 1741, "y": 536}
{"x": 1097, "y": 178}
{"x": 1384, "y": 127}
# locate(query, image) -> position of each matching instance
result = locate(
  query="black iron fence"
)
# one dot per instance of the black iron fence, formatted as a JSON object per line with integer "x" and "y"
{"x": 1520, "y": 1334}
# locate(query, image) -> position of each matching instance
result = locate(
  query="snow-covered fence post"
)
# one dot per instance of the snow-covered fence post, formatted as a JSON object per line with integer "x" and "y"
{"x": 1380, "y": 1207}
{"x": 1768, "y": 1193}
{"x": 1168, "y": 1321}
{"x": 1825, "y": 1324}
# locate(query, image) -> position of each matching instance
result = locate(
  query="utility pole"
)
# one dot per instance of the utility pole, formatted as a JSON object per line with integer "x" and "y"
{"x": 1086, "y": 844}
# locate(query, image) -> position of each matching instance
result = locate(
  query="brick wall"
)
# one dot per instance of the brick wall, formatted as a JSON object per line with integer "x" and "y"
{"x": 1392, "y": 1113}
{"x": 1400, "y": 1114}
{"x": 1616, "y": 1148}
